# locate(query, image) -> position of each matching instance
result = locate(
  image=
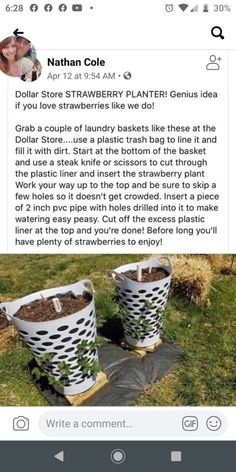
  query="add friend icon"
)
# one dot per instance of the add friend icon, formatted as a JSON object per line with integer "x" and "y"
{"x": 213, "y": 64}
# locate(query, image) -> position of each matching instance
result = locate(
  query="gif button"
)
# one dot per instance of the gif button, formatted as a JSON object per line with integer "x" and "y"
{"x": 190, "y": 423}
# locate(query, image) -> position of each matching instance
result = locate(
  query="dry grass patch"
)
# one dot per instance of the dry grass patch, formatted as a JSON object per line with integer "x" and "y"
{"x": 7, "y": 338}
{"x": 192, "y": 278}
{"x": 222, "y": 263}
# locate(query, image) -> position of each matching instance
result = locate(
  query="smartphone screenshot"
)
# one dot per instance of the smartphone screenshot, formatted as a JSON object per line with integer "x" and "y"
{"x": 118, "y": 235}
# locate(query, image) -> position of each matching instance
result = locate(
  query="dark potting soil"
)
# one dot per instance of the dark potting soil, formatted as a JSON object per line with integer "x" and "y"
{"x": 3, "y": 321}
{"x": 43, "y": 310}
{"x": 156, "y": 274}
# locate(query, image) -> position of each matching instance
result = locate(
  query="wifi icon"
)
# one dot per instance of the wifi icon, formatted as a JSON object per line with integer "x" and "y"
{"x": 183, "y": 6}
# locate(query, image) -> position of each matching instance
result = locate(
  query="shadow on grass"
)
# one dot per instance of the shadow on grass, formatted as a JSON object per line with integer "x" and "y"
{"x": 112, "y": 330}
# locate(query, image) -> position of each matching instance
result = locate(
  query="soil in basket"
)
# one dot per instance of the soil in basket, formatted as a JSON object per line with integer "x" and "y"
{"x": 156, "y": 274}
{"x": 3, "y": 322}
{"x": 43, "y": 310}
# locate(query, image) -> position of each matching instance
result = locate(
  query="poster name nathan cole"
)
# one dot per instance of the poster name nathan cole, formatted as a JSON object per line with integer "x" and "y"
{"x": 87, "y": 61}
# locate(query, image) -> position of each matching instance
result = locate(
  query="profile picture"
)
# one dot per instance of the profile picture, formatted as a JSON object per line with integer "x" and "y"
{"x": 34, "y": 74}
{"x": 18, "y": 58}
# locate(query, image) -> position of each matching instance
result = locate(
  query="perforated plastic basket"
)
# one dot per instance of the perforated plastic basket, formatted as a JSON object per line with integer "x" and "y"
{"x": 142, "y": 302}
{"x": 60, "y": 337}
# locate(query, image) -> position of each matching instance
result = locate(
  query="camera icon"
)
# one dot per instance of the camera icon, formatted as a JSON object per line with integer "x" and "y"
{"x": 21, "y": 423}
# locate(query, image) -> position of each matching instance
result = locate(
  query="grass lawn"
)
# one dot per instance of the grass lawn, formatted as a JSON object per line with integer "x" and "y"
{"x": 206, "y": 334}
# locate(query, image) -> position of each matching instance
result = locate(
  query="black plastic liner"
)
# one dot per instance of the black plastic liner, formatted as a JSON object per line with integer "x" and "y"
{"x": 127, "y": 374}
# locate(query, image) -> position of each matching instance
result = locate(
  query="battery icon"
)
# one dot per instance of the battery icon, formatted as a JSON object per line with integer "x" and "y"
{"x": 76, "y": 7}
{"x": 205, "y": 8}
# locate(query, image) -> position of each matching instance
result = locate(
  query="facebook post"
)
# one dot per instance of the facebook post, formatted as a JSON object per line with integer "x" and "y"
{"x": 114, "y": 154}
{"x": 118, "y": 234}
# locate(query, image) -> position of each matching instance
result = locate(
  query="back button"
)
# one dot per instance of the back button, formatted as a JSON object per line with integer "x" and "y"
{"x": 60, "y": 456}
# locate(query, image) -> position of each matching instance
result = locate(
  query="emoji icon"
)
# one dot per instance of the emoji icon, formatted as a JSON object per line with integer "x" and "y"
{"x": 213, "y": 423}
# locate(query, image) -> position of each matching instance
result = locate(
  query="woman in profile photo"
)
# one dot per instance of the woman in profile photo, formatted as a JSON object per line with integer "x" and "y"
{"x": 9, "y": 63}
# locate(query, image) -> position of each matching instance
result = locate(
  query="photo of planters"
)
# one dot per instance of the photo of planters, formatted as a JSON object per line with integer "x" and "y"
{"x": 105, "y": 330}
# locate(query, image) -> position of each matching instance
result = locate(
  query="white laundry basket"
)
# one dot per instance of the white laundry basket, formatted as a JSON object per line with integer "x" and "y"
{"x": 142, "y": 302}
{"x": 60, "y": 338}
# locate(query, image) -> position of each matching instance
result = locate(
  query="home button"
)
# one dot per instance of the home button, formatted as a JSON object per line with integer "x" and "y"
{"x": 118, "y": 456}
